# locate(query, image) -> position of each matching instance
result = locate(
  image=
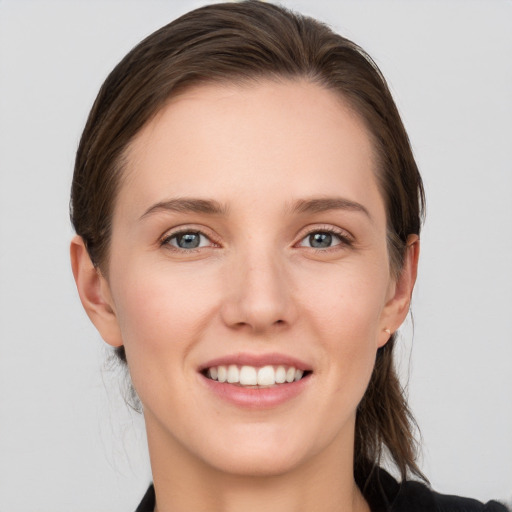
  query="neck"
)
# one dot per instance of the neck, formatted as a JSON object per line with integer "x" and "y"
{"x": 183, "y": 483}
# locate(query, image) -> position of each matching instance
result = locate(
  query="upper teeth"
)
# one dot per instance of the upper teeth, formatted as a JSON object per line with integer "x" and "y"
{"x": 252, "y": 376}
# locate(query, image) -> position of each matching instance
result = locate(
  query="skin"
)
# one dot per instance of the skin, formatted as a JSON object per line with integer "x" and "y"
{"x": 254, "y": 286}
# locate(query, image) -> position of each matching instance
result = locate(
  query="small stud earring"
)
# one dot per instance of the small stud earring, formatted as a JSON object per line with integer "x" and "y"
{"x": 388, "y": 331}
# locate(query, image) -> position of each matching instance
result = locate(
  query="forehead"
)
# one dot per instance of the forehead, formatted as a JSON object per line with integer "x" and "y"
{"x": 294, "y": 137}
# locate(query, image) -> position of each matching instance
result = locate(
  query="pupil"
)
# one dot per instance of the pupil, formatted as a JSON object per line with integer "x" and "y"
{"x": 188, "y": 240}
{"x": 320, "y": 240}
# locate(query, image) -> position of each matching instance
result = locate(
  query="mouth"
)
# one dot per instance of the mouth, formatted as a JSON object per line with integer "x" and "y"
{"x": 245, "y": 376}
{"x": 257, "y": 381}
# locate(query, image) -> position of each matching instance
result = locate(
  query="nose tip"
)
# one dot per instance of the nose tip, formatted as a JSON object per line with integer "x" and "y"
{"x": 258, "y": 297}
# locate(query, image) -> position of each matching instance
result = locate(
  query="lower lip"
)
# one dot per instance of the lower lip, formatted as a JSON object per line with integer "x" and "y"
{"x": 257, "y": 398}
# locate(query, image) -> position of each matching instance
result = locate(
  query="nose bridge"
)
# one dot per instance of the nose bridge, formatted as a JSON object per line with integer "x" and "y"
{"x": 259, "y": 295}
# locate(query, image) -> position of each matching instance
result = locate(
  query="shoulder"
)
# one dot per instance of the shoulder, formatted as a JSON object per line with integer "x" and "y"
{"x": 416, "y": 496}
{"x": 388, "y": 495}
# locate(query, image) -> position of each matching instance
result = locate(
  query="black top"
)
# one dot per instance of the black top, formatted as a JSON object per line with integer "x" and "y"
{"x": 385, "y": 494}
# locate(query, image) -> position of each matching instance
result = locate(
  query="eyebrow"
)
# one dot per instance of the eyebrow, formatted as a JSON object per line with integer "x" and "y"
{"x": 208, "y": 206}
{"x": 323, "y": 204}
{"x": 213, "y": 207}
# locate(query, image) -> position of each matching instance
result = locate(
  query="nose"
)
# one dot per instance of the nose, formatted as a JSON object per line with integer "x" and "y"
{"x": 259, "y": 293}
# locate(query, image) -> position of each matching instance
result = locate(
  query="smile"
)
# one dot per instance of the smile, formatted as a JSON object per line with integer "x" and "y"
{"x": 252, "y": 376}
{"x": 256, "y": 381}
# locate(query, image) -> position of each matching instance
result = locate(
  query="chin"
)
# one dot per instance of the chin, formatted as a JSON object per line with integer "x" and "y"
{"x": 264, "y": 450}
{"x": 257, "y": 463}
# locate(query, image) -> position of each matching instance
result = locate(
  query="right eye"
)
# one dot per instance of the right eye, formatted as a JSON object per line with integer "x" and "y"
{"x": 187, "y": 240}
{"x": 321, "y": 240}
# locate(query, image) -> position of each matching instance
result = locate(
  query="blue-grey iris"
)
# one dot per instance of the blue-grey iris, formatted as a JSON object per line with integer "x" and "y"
{"x": 320, "y": 240}
{"x": 188, "y": 240}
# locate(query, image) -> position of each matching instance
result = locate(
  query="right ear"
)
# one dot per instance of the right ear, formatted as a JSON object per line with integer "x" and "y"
{"x": 94, "y": 292}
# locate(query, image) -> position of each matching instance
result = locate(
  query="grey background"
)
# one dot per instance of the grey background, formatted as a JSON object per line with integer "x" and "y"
{"x": 67, "y": 440}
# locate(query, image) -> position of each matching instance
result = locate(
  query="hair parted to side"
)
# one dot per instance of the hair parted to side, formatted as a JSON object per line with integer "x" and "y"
{"x": 246, "y": 42}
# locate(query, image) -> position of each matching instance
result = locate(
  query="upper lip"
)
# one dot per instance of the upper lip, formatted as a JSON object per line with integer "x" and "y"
{"x": 257, "y": 360}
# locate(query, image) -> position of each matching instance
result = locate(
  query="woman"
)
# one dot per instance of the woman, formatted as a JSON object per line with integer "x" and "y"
{"x": 248, "y": 210}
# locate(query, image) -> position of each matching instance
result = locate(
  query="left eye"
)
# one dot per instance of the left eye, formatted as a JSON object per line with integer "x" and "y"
{"x": 321, "y": 240}
{"x": 188, "y": 240}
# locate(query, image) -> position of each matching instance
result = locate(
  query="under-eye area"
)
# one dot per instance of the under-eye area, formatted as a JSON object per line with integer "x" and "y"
{"x": 253, "y": 376}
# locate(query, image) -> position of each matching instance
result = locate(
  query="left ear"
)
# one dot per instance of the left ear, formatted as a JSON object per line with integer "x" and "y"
{"x": 399, "y": 297}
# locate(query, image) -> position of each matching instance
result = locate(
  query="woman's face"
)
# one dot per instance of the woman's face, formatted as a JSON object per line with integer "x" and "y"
{"x": 249, "y": 242}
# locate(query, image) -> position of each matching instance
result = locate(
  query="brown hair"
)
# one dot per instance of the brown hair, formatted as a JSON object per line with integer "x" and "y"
{"x": 240, "y": 42}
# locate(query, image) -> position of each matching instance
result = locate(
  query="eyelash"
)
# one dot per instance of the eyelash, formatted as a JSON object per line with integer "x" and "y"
{"x": 344, "y": 238}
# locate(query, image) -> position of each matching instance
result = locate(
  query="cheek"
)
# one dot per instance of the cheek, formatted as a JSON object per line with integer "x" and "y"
{"x": 345, "y": 310}
{"x": 161, "y": 311}
{"x": 348, "y": 299}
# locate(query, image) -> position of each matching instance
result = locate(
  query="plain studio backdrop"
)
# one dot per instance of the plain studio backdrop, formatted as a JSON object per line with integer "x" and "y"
{"x": 67, "y": 440}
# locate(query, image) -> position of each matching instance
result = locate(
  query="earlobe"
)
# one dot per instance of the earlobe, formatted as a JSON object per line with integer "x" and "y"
{"x": 94, "y": 293}
{"x": 397, "y": 307}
